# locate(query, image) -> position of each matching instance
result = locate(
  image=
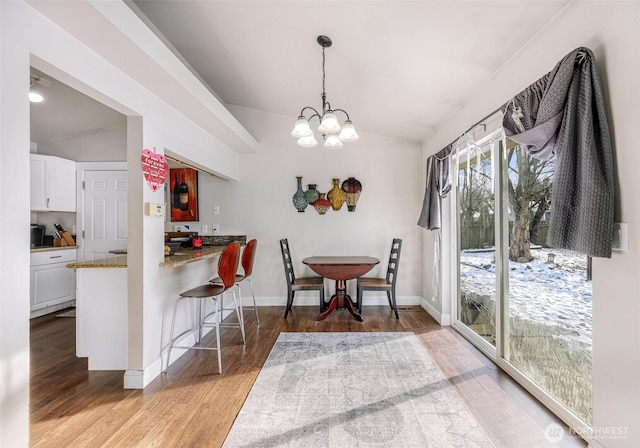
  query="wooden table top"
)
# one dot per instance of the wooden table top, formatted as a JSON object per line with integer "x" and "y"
{"x": 340, "y": 260}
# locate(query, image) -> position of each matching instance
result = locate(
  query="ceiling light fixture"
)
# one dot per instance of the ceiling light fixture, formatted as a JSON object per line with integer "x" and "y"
{"x": 332, "y": 133}
{"x": 34, "y": 95}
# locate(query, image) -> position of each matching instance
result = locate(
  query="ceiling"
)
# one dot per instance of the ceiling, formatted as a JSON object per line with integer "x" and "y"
{"x": 65, "y": 112}
{"x": 399, "y": 68}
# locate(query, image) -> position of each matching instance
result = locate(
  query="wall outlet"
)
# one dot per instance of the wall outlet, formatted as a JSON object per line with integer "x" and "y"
{"x": 216, "y": 229}
{"x": 204, "y": 229}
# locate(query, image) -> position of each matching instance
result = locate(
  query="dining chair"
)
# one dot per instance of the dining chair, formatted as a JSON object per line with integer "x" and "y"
{"x": 227, "y": 268}
{"x": 388, "y": 283}
{"x": 248, "y": 257}
{"x": 298, "y": 283}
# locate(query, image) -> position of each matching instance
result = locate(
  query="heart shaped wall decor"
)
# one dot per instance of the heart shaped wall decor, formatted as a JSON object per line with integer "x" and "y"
{"x": 155, "y": 169}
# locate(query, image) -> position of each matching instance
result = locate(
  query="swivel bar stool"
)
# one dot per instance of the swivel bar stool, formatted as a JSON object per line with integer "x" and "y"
{"x": 227, "y": 267}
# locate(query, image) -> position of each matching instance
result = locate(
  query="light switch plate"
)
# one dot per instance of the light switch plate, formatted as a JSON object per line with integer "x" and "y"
{"x": 620, "y": 236}
{"x": 204, "y": 229}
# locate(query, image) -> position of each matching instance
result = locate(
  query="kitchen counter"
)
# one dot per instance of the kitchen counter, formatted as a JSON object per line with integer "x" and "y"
{"x": 48, "y": 248}
{"x": 119, "y": 261}
{"x": 180, "y": 257}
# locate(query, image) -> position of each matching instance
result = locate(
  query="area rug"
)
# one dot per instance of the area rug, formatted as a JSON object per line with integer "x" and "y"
{"x": 339, "y": 390}
{"x": 70, "y": 313}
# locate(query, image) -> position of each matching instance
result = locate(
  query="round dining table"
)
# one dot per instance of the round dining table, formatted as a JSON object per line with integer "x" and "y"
{"x": 341, "y": 268}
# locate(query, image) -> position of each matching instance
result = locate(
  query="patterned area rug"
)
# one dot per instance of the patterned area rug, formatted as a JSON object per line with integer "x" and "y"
{"x": 339, "y": 390}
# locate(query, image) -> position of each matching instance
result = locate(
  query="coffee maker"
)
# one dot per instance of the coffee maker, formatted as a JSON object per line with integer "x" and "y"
{"x": 37, "y": 235}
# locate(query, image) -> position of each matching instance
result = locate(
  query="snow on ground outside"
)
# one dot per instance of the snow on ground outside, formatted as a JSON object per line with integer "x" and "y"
{"x": 551, "y": 294}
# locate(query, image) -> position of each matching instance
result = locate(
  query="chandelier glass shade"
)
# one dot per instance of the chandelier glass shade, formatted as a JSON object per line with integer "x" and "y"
{"x": 333, "y": 133}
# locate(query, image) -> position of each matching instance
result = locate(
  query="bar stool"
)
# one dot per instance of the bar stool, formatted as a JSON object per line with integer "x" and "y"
{"x": 227, "y": 267}
{"x": 248, "y": 257}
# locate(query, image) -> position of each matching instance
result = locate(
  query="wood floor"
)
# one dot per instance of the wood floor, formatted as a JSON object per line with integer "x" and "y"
{"x": 193, "y": 406}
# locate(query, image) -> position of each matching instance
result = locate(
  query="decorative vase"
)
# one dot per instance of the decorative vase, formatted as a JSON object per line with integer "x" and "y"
{"x": 336, "y": 195}
{"x": 300, "y": 201}
{"x": 322, "y": 204}
{"x": 352, "y": 188}
{"x": 311, "y": 193}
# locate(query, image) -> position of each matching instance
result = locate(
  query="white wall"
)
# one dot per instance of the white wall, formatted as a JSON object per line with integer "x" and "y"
{"x": 28, "y": 38}
{"x": 612, "y": 31}
{"x": 260, "y": 204}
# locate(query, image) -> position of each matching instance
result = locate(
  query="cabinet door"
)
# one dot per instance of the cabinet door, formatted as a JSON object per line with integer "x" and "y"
{"x": 51, "y": 284}
{"x": 53, "y": 184}
{"x": 39, "y": 198}
{"x": 64, "y": 185}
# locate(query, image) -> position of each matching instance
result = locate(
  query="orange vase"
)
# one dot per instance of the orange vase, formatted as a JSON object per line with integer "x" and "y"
{"x": 336, "y": 195}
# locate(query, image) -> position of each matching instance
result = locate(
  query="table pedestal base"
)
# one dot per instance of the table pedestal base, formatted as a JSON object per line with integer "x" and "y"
{"x": 341, "y": 300}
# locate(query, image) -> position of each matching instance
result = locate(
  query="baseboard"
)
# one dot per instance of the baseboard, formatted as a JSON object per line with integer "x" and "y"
{"x": 139, "y": 379}
{"x": 442, "y": 319}
{"x": 369, "y": 299}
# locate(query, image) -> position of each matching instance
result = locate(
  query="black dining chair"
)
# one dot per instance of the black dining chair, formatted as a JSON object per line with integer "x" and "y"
{"x": 298, "y": 283}
{"x": 388, "y": 283}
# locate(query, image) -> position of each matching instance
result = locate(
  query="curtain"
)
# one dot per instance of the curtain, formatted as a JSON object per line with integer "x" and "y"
{"x": 563, "y": 113}
{"x": 438, "y": 186}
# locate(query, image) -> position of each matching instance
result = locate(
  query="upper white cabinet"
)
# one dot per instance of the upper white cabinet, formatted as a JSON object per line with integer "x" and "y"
{"x": 53, "y": 184}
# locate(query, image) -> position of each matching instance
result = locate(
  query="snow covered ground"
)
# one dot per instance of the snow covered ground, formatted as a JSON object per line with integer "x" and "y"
{"x": 554, "y": 294}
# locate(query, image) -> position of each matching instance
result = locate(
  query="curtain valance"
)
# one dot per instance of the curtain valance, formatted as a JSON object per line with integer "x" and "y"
{"x": 563, "y": 113}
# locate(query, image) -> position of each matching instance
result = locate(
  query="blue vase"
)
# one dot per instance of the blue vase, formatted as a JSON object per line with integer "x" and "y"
{"x": 300, "y": 201}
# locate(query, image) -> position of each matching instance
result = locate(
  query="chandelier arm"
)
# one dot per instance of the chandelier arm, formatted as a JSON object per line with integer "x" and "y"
{"x": 344, "y": 112}
{"x": 315, "y": 112}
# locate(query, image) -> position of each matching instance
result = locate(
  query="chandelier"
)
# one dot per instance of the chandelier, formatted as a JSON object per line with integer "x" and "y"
{"x": 332, "y": 132}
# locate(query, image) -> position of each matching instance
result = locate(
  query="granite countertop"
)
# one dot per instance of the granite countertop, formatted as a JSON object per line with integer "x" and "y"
{"x": 182, "y": 256}
{"x": 179, "y": 257}
{"x": 49, "y": 248}
{"x": 119, "y": 261}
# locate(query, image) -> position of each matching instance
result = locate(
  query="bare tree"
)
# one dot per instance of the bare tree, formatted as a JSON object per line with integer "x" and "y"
{"x": 529, "y": 192}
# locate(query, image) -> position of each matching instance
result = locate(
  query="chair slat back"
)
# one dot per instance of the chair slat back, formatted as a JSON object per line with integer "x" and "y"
{"x": 394, "y": 260}
{"x": 228, "y": 264}
{"x": 286, "y": 260}
{"x": 248, "y": 257}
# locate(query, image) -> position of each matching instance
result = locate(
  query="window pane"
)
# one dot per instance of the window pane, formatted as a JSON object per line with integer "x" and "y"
{"x": 547, "y": 322}
{"x": 476, "y": 222}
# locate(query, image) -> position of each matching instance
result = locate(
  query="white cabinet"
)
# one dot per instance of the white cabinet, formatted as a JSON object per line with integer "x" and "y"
{"x": 52, "y": 283}
{"x": 53, "y": 184}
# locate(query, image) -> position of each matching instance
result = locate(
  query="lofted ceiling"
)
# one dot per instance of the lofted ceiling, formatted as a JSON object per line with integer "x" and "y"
{"x": 399, "y": 68}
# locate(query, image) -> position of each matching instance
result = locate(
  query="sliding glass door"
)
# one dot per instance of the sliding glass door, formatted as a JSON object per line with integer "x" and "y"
{"x": 476, "y": 304}
{"x": 523, "y": 303}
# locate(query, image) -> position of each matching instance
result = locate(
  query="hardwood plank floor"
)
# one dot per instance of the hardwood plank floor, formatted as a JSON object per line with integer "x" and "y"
{"x": 193, "y": 406}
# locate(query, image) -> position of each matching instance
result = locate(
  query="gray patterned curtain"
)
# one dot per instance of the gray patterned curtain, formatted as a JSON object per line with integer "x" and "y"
{"x": 563, "y": 113}
{"x": 438, "y": 186}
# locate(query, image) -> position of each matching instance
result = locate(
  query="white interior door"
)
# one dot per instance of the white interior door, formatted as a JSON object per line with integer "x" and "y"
{"x": 104, "y": 213}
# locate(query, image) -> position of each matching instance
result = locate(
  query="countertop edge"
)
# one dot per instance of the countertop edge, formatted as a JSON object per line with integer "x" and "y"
{"x": 36, "y": 250}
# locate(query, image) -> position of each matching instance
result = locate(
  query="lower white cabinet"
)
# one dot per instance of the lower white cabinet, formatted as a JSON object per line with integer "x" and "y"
{"x": 52, "y": 283}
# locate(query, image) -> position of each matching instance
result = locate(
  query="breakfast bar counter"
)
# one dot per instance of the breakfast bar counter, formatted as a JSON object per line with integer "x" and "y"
{"x": 102, "y": 298}
{"x": 180, "y": 257}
